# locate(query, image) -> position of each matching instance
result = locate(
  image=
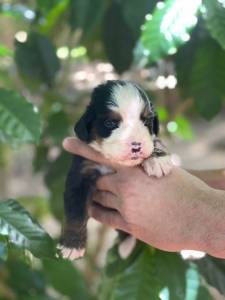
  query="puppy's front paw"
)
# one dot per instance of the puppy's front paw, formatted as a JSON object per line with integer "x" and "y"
{"x": 158, "y": 166}
{"x": 71, "y": 253}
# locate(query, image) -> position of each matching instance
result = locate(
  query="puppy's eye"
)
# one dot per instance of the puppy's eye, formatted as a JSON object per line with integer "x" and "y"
{"x": 111, "y": 124}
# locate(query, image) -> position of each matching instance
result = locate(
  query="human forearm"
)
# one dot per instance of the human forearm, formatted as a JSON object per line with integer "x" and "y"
{"x": 213, "y": 235}
{"x": 181, "y": 212}
{"x": 214, "y": 178}
{"x": 175, "y": 212}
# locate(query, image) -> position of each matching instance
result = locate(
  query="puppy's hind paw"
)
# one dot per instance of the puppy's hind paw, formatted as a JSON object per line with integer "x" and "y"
{"x": 158, "y": 166}
{"x": 71, "y": 253}
{"x": 126, "y": 247}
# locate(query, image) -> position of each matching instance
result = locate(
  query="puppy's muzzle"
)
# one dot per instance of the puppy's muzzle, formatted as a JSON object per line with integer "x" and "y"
{"x": 136, "y": 147}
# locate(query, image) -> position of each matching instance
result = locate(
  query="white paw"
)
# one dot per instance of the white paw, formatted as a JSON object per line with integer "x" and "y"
{"x": 158, "y": 166}
{"x": 126, "y": 247}
{"x": 71, "y": 253}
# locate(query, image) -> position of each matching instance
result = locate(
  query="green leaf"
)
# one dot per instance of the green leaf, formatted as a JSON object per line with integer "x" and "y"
{"x": 78, "y": 13}
{"x": 204, "y": 294}
{"x": 4, "y": 51}
{"x": 134, "y": 13}
{"x": 81, "y": 16}
{"x": 19, "y": 119}
{"x": 44, "y": 6}
{"x": 115, "y": 264}
{"x": 24, "y": 280}
{"x": 168, "y": 27}
{"x": 3, "y": 247}
{"x": 215, "y": 19}
{"x": 186, "y": 54}
{"x": 137, "y": 281}
{"x": 58, "y": 127}
{"x": 118, "y": 39}
{"x": 54, "y": 12}
{"x": 171, "y": 271}
{"x": 62, "y": 275}
{"x": 162, "y": 113}
{"x": 207, "y": 79}
{"x": 179, "y": 279}
{"x": 184, "y": 129}
{"x": 151, "y": 274}
{"x": 55, "y": 179}
{"x": 23, "y": 231}
{"x": 213, "y": 271}
{"x": 41, "y": 62}
{"x": 40, "y": 160}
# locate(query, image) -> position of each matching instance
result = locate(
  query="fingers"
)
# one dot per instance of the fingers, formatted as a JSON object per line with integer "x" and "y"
{"x": 108, "y": 183}
{"x": 107, "y": 200}
{"x": 108, "y": 217}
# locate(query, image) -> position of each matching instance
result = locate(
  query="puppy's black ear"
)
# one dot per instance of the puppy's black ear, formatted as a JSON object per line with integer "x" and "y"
{"x": 83, "y": 127}
{"x": 155, "y": 125}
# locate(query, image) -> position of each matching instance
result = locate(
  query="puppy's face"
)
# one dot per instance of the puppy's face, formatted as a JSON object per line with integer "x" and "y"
{"x": 119, "y": 122}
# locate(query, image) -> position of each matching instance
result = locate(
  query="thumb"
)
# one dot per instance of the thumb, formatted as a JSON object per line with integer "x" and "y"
{"x": 76, "y": 146}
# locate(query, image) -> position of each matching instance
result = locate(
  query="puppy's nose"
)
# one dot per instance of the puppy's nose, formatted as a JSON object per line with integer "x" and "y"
{"x": 135, "y": 144}
{"x": 135, "y": 150}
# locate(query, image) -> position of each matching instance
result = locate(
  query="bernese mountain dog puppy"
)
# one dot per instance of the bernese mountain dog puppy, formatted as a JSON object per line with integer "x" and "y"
{"x": 121, "y": 123}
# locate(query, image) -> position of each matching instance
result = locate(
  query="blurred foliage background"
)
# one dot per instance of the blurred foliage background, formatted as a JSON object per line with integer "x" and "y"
{"x": 52, "y": 53}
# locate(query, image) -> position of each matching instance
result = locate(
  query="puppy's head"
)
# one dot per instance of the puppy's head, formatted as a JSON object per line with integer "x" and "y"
{"x": 119, "y": 122}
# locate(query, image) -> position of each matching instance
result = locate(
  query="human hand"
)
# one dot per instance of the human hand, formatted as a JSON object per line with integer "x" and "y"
{"x": 172, "y": 213}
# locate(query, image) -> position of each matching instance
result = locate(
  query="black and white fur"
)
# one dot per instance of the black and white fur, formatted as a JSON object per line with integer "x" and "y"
{"x": 121, "y": 123}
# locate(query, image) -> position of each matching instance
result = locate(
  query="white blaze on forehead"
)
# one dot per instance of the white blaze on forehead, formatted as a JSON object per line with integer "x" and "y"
{"x": 129, "y": 104}
{"x": 129, "y": 101}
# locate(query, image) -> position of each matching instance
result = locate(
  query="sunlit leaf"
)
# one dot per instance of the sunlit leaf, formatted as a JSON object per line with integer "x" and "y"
{"x": 19, "y": 119}
{"x": 162, "y": 114}
{"x": 5, "y": 51}
{"x": 44, "y": 6}
{"x": 184, "y": 129}
{"x": 168, "y": 27}
{"x": 54, "y": 12}
{"x": 23, "y": 231}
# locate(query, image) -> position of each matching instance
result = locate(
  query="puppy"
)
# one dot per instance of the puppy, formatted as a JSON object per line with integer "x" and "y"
{"x": 120, "y": 122}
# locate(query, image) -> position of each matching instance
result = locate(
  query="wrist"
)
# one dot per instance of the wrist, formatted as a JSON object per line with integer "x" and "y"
{"x": 212, "y": 235}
